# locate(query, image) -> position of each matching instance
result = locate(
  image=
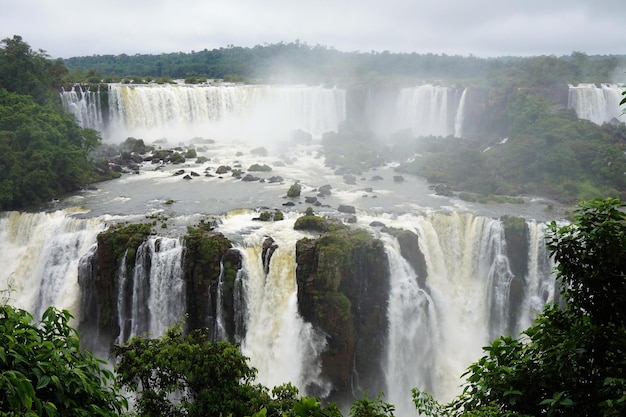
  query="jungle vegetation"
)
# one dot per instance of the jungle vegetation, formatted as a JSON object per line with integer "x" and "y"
{"x": 43, "y": 152}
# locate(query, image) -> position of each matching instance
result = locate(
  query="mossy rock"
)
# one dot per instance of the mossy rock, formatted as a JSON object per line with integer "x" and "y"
{"x": 294, "y": 190}
{"x": 311, "y": 223}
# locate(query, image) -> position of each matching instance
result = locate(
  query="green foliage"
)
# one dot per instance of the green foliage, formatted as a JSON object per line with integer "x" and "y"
{"x": 366, "y": 407}
{"x": 352, "y": 148}
{"x": 43, "y": 153}
{"x": 209, "y": 379}
{"x": 135, "y": 145}
{"x": 318, "y": 63}
{"x": 571, "y": 361}
{"x": 591, "y": 259}
{"x": 44, "y": 371}
{"x": 547, "y": 152}
{"x": 268, "y": 216}
{"x": 124, "y": 238}
{"x": 27, "y": 72}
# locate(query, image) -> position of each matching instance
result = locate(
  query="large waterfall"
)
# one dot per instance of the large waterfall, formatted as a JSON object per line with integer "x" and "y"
{"x": 256, "y": 112}
{"x": 179, "y": 112}
{"x": 598, "y": 103}
{"x": 436, "y": 324}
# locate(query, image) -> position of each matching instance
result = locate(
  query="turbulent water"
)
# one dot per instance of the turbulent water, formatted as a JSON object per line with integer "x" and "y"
{"x": 436, "y": 326}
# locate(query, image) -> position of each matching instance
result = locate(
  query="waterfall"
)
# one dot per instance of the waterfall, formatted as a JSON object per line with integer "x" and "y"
{"x": 437, "y": 325}
{"x": 540, "y": 283}
{"x": 220, "y": 329}
{"x": 413, "y": 333}
{"x": 84, "y": 104}
{"x": 157, "y": 292}
{"x": 278, "y": 342}
{"x": 239, "y": 112}
{"x": 596, "y": 103}
{"x": 464, "y": 301}
{"x": 459, "y": 118}
{"x": 40, "y": 255}
{"x": 428, "y": 110}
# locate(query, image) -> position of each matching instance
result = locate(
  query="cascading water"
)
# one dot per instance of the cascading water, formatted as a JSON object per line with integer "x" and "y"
{"x": 429, "y": 110}
{"x": 158, "y": 290}
{"x": 463, "y": 306}
{"x": 40, "y": 254}
{"x": 220, "y": 328}
{"x": 278, "y": 342}
{"x": 540, "y": 282}
{"x": 244, "y": 112}
{"x": 596, "y": 103}
{"x": 459, "y": 118}
{"x": 435, "y": 331}
{"x": 413, "y": 333}
{"x": 85, "y": 105}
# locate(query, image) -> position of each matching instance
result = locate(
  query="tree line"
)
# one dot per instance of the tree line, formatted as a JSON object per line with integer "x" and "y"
{"x": 300, "y": 62}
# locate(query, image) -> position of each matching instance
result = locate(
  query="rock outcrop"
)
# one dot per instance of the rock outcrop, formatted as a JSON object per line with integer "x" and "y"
{"x": 343, "y": 290}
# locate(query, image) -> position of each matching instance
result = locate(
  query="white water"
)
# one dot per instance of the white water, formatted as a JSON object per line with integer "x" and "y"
{"x": 39, "y": 255}
{"x": 279, "y": 343}
{"x": 429, "y": 110}
{"x": 459, "y": 118}
{"x": 249, "y": 113}
{"x": 413, "y": 333}
{"x": 437, "y": 331}
{"x": 85, "y": 106}
{"x": 434, "y": 332}
{"x": 597, "y": 103}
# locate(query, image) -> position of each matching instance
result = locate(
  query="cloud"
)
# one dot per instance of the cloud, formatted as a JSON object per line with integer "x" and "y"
{"x": 481, "y": 27}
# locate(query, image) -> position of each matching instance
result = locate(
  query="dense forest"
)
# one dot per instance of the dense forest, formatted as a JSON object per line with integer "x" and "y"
{"x": 299, "y": 62}
{"x": 43, "y": 152}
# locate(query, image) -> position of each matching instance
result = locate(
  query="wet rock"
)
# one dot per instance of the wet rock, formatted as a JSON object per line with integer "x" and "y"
{"x": 346, "y": 209}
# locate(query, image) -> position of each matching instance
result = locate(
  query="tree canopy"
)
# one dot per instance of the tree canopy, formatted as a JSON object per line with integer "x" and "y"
{"x": 43, "y": 152}
{"x": 44, "y": 371}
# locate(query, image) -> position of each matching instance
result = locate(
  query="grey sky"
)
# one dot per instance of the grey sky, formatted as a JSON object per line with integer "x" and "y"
{"x": 66, "y": 28}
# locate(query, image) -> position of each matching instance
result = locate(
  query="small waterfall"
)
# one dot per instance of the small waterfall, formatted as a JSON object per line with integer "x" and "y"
{"x": 413, "y": 333}
{"x": 278, "y": 342}
{"x": 220, "y": 329}
{"x": 236, "y": 112}
{"x": 459, "y": 118}
{"x": 596, "y": 103}
{"x": 540, "y": 282}
{"x": 157, "y": 293}
{"x": 239, "y": 305}
{"x": 427, "y": 110}
{"x": 85, "y": 105}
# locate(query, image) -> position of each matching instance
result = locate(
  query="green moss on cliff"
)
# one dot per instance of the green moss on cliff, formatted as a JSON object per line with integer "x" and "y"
{"x": 122, "y": 239}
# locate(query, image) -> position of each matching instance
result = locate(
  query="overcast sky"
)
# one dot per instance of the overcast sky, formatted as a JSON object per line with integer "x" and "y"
{"x": 66, "y": 28}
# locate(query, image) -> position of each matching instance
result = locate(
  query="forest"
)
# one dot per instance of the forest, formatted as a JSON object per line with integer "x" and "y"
{"x": 43, "y": 152}
{"x": 300, "y": 62}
